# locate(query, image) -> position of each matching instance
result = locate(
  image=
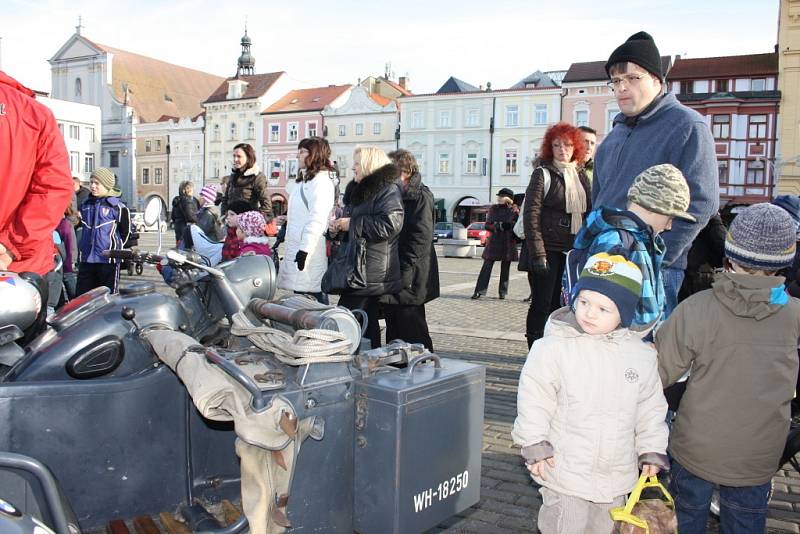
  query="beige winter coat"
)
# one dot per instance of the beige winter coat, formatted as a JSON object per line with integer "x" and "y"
{"x": 595, "y": 404}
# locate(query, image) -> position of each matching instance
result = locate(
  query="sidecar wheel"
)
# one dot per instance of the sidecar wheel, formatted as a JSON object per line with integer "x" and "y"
{"x": 139, "y": 269}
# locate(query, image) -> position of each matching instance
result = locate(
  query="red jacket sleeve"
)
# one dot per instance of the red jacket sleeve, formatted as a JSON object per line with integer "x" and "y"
{"x": 29, "y": 236}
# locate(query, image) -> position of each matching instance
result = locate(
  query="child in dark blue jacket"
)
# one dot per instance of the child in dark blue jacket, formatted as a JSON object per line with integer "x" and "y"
{"x": 106, "y": 224}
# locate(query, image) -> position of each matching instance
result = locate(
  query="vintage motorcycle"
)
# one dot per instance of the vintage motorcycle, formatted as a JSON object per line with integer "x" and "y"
{"x": 97, "y": 428}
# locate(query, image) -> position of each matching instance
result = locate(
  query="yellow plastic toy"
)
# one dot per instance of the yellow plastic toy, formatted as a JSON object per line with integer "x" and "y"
{"x": 624, "y": 514}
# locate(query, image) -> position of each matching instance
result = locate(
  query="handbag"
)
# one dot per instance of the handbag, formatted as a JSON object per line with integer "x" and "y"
{"x": 348, "y": 269}
{"x": 646, "y": 516}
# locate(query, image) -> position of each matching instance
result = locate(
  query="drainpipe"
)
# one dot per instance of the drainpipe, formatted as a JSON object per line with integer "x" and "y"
{"x": 491, "y": 146}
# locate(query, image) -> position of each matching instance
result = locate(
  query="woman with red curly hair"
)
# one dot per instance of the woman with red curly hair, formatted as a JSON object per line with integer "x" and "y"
{"x": 556, "y": 200}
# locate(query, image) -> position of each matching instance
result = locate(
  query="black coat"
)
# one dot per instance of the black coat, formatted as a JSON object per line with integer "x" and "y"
{"x": 376, "y": 214}
{"x": 501, "y": 244}
{"x": 419, "y": 268}
{"x": 184, "y": 212}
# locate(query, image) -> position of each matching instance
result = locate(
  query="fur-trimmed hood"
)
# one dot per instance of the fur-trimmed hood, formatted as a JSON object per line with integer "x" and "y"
{"x": 413, "y": 188}
{"x": 243, "y": 179}
{"x": 372, "y": 184}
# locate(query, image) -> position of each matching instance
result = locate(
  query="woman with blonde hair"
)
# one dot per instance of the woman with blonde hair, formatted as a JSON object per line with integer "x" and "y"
{"x": 373, "y": 220}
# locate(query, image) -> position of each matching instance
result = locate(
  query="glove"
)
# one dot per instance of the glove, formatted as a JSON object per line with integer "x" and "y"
{"x": 507, "y": 226}
{"x": 540, "y": 266}
{"x": 300, "y": 259}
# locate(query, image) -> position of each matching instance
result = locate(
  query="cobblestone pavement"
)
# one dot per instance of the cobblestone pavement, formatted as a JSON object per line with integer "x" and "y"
{"x": 490, "y": 331}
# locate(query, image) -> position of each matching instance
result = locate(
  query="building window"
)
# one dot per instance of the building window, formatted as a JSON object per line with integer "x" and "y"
{"x": 721, "y": 86}
{"x": 473, "y": 117}
{"x": 233, "y": 134}
{"x": 145, "y": 176}
{"x": 291, "y": 168}
{"x": 472, "y": 163}
{"x": 581, "y": 117}
{"x": 540, "y": 114}
{"x": 215, "y": 166}
{"x": 157, "y": 178}
{"x": 418, "y": 119}
{"x": 444, "y": 163}
{"x": 251, "y": 130}
{"x": 75, "y": 162}
{"x": 148, "y": 146}
{"x": 444, "y": 119}
{"x": 274, "y": 133}
{"x": 722, "y": 168}
{"x": 359, "y": 128}
{"x": 420, "y": 157}
{"x": 512, "y": 115}
{"x": 88, "y": 162}
{"x": 342, "y": 130}
{"x": 74, "y": 131}
{"x": 216, "y": 132}
{"x": 78, "y": 88}
{"x": 511, "y": 161}
{"x": 341, "y": 164}
{"x": 61, "y": 128}
{"x": 755, "y": 172}
{"x": 758, "y": 84}
{"x": 757, "y": 128}
{"x": 686, "y": 87}
{"x": 610, "y": 115}
{"x": 113, "y": 158}
{"x": 158, "y": 145}
{"x": 274, "y": 169}
{"x": 721, "y": 126}
{"x": 291, "y": 132}
{"x": 90, "y": 134}
{"x": 311, "y": 129}
{"x": 376, "y": 128}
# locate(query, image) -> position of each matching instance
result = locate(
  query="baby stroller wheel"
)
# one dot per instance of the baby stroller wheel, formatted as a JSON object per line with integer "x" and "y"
{"x": 139, "y": 268}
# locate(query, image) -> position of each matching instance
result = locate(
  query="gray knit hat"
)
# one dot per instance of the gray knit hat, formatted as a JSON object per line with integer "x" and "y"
{"x": 761, "y": 237}
{"x": 107, "y": 179}
{"x": 662, "y": 189}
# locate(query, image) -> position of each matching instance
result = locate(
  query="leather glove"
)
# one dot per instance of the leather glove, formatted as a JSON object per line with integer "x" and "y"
{"x": 540, "y": 266}
{"x": 300, "y": 259}
{"x": 507, "y": 226}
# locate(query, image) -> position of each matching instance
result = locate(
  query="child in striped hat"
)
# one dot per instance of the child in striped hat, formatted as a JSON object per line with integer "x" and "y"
{"x": 591, "y": 410}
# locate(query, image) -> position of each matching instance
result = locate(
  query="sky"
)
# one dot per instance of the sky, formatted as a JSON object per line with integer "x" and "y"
{"x": 339, "y": 41}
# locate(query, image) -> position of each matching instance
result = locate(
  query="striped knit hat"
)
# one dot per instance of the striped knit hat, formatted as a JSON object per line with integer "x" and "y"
{"x": 615, "y": 277}
{"x": 208, "y": 194}
{"x": 761, "y": 237}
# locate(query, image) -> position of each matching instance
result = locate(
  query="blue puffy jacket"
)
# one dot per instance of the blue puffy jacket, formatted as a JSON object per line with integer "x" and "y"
{"x": 106, "y": 225}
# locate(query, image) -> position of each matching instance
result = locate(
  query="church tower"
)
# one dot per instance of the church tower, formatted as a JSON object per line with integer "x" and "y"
{"x": 247, "y": 63}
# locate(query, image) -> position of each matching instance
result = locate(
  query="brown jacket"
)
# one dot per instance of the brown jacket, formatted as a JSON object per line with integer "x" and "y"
{"x": 250, "y": 186}
{"x": 547, "y": 224}
{"x": 740, "y": 341}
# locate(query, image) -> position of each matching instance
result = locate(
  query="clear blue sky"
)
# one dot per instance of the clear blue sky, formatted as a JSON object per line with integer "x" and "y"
{"x": 321, "y": 43}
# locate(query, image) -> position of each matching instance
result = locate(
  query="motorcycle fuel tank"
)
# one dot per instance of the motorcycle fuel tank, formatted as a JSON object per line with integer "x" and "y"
{"x": 417, "y": 446}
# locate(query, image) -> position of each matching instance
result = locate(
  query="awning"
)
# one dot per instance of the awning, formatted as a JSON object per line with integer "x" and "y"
{"x": 469, "y": 201}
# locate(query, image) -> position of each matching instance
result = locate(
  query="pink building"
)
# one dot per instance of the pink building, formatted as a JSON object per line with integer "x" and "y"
{"x": 587, "y": 100}
{"x": 293, "y": 117}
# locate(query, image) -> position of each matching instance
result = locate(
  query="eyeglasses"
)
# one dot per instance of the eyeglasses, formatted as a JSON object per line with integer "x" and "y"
{"x": 629, "y": 79}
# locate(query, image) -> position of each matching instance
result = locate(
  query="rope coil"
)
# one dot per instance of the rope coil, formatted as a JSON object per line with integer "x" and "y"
{"x": 302, "y": 348}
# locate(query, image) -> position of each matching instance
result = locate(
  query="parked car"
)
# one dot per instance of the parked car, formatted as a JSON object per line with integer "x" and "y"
{"x": 477, "y": 230}
{"x": 137, "y": 218}
{"x": 445, "y": 230}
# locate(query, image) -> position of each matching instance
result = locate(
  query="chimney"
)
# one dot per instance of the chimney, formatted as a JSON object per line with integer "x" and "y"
{"x": 402, "y": 81}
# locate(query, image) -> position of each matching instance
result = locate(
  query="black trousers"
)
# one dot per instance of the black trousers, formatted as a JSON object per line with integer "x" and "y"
{"x": 407, "y": 323}
{"x": 92, "y": 275}
{"x": 486, "y": 273}
{"x": 371, "y": 306}
{"x": 545, "y": 295}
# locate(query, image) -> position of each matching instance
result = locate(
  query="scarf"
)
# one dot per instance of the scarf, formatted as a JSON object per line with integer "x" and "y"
{"x": 574, "y": 194}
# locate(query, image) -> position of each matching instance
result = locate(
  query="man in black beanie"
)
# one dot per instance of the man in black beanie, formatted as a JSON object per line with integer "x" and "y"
{"x": 654, "y": 128}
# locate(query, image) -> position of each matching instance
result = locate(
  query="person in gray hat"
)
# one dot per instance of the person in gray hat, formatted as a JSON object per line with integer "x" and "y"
{"x": 501, "y": 245}
{"x": 739, "y": 339}
{"x": 652, "y": 128}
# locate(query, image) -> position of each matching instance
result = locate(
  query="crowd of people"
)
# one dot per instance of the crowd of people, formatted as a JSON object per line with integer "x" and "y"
{"x": 605, "y": 238}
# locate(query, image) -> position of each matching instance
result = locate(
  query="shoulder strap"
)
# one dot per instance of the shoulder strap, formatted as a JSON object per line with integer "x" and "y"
{"x": 547, "y": 180}
{"x": 303, "y": 195}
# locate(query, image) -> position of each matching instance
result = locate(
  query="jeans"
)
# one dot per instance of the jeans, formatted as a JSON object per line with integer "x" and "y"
{"x": 743, "y": 510}
{"x": 673, "y": 278}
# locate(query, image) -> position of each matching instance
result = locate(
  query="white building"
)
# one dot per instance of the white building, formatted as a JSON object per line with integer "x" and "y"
{"x": 185, "y": 139}
{"x": 81, "y": 126}
{"x": 129, "y": 88}
{"x": 365, "y": 119}
{"x": 233, "y": 113}
{"x": 471, "y": 143}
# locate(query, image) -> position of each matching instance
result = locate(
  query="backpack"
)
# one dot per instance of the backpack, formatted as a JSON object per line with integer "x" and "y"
{"x": 519, "y": 226}
{"x": 176, "y": 205}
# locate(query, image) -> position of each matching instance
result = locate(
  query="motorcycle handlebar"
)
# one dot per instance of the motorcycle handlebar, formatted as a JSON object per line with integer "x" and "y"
{"x": 148, "y": 257}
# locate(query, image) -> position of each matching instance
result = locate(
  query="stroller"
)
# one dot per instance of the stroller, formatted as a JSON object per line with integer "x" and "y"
{"x": 130, "y": 243}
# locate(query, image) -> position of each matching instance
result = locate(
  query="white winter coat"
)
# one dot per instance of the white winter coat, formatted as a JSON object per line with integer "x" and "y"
{"x": 595, "y": 404}
{"x": 305, "y": 230}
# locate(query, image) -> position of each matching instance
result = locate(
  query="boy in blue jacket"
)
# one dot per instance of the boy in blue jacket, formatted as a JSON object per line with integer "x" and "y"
{"x": 106, "y": 224}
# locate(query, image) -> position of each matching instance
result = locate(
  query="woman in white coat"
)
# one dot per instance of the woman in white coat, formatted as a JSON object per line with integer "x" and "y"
{"x": 310, "y": 203}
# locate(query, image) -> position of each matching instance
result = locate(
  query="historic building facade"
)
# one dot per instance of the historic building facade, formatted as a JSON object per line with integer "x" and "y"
{"x": 81, "y": 126}
{"x": 787, "y": 163}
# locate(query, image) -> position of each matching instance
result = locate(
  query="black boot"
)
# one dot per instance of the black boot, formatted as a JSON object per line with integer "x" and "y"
{"x": 476, "y": 296}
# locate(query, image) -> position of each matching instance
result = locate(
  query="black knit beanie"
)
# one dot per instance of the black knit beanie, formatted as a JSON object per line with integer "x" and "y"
{"x": 640, "y": 49}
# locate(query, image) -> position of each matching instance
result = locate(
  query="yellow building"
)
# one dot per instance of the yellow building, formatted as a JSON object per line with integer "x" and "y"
{"x": 788, "y": 162}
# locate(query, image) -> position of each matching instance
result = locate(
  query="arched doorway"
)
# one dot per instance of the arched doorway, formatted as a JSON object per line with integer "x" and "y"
{"x": 279, "y": 204}
{"x": 468, "y": 210}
